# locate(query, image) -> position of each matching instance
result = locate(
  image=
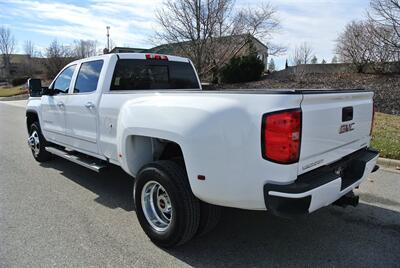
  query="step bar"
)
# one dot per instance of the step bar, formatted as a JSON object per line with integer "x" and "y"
{"x": 87, "y": 162}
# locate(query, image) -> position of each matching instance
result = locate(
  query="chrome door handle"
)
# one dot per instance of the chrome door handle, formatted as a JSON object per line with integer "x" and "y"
{"x": 60, "y": 104}
{"x": 89, "y": 105}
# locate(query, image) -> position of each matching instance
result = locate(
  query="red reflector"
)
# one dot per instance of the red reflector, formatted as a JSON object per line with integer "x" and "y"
{"x": 281, "y": 136}
{"x": 373, "y": 119}
{"x": 201, "y": 177}
{"x": 156, "y": 57}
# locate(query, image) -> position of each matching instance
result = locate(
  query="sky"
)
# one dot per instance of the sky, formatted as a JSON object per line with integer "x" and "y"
{"x": 133, "y": 23}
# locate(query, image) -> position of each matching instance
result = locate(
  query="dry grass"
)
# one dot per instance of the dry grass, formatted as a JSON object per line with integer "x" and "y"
{"x": 386, "y": 135}
{"x": 12, "y": 91}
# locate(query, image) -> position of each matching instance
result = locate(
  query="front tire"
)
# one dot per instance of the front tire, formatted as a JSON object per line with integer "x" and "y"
{"x": 166, "y": 208}
{"x": 38, "y": 143}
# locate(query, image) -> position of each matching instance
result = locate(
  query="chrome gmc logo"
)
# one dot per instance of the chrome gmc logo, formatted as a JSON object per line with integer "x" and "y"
{"x": 346, "y": 128}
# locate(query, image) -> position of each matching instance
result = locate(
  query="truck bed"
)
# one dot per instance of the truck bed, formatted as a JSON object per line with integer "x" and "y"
{"x": 251, "y": 91}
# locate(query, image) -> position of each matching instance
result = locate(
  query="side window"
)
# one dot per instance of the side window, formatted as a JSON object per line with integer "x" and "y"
{"x": 64, "y": 79}
{"x": 88, "y": 76}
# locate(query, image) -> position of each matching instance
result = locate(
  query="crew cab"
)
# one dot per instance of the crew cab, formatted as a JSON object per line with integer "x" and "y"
{"x": 192, "y": 151}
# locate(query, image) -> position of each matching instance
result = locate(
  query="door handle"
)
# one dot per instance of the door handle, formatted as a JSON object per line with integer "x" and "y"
{"x": 89, "y": 105}
{"x": 60, "y": 104}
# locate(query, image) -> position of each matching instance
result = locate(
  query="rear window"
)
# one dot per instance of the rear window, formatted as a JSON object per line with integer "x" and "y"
{"x": 135, "y": 74}
{"x": 88, "y": 76}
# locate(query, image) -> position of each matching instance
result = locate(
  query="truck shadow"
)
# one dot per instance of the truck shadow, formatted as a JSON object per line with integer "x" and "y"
{"x": 113, "y": 186}
{"x": 364, "y": 236}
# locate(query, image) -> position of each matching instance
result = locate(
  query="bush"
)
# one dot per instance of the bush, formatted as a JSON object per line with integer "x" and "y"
{"x": 19, "y": 81}
{"x": 242, "y": 69}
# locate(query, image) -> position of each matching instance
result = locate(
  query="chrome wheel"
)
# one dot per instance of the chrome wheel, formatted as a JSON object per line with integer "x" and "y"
{"x": 156, "y": 206}
{"x": 34, "y": 143}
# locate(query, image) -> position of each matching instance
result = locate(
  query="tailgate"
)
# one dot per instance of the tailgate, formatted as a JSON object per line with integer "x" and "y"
{"x": 334, "y": 125}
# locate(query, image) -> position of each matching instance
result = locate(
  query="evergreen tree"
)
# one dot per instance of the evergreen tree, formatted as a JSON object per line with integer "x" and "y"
{"x": 314, "y": 60}
{"x": 271, "y": 66}
{"x": 335, "y": 59}
{"x": 323, "y": 61}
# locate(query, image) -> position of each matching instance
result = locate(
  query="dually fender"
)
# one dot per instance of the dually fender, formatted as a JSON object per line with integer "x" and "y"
{"x": 200, "y": 128}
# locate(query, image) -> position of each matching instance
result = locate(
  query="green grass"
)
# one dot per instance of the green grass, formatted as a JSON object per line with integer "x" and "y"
{"x": 12, "y": 91}
{"x": 386, "y": 135}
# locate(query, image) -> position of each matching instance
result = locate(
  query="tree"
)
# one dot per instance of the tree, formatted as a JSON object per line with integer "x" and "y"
{"x": 385, "y": 15}
{"x": 271, "y": 66}
{"x": 85, "y": 48}
{"x": 323, "y": 61}
{"x": 29, "y": 48}
{"x": 28, "y": 66}
{"x": 57, "y": 56}
{"x": 314, "y": 60}
{"x": 7, "y": 46}
{"x": 358, "y": 45}
{"x": 211, "y": 32}
{"x": 335, "y": 59}
{"x": 302, "y": 54}
{"x": 242, "y": 69}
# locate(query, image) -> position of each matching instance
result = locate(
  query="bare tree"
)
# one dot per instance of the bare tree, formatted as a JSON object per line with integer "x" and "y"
{"x": 57, "y": 56}
{"x": 302, "y": 54}
{"x": 85, "y": 48}
{"x": 210, "y": 32}
{"x": 360, "y": 46}
{"x": 28, "y": 66}
{"x": 385, "y": 15}
{"x": 7, "y": 46}
{"x": 29, "y": 48}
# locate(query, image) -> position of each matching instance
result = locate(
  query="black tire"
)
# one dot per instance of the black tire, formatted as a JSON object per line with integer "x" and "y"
{"x": 185, "y": 216}
{"x": 40, "y": 155}
{"x": 209, "y": 218}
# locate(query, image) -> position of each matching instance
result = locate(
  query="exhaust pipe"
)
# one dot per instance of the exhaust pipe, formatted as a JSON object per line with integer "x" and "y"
{"x": 349, "y": 199}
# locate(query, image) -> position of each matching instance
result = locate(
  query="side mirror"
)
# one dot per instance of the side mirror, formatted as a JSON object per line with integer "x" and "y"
{"x": 47, "y": 91}
{"x": 35, "y": 87}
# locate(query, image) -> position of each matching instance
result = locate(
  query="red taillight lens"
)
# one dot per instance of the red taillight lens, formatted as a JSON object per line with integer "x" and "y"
{"x": 156, "y": 57}
{"x": 281, "y": 136}
{"x": 373, "y": 119}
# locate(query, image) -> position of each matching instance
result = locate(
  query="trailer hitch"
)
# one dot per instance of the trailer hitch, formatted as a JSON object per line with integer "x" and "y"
{"x": 349, "y": 199}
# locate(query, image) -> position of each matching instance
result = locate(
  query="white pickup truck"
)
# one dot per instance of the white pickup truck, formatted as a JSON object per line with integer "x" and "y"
{"x": 190, "y": 151}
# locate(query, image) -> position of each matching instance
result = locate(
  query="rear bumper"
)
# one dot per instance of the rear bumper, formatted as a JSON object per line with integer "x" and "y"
{"x": 320, "y": 187}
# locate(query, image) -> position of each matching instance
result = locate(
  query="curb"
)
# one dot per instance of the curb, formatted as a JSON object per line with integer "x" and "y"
{"x": 389, "y": 163}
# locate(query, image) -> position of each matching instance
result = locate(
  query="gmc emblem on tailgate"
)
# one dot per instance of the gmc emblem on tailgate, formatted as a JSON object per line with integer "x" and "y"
{"x": 346, "y": 128}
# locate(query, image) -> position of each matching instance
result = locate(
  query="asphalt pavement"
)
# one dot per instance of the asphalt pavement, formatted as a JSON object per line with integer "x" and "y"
{"x": 61, "y": 214}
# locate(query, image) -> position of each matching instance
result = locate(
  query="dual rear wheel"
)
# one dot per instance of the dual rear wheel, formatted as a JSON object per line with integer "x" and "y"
{"x": 167, "y": 210}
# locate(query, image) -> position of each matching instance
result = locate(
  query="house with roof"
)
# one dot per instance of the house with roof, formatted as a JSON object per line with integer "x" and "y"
{"x": 240, "y": 45}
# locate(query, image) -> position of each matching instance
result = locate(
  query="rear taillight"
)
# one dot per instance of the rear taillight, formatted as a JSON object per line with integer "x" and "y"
{"x": 281, "y": 136}
{"x": 156, "y": 57}
{"x": 373, "y": 119}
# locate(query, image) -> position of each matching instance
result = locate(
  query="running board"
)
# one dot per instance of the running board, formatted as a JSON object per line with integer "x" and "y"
{"x": 85, "y": 161}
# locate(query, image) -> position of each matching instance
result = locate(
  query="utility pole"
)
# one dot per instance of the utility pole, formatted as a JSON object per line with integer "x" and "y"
{"x": 108, "y": 38}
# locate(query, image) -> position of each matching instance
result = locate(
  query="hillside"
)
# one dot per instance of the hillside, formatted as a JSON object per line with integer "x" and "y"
{"x": 386, "y": 87}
